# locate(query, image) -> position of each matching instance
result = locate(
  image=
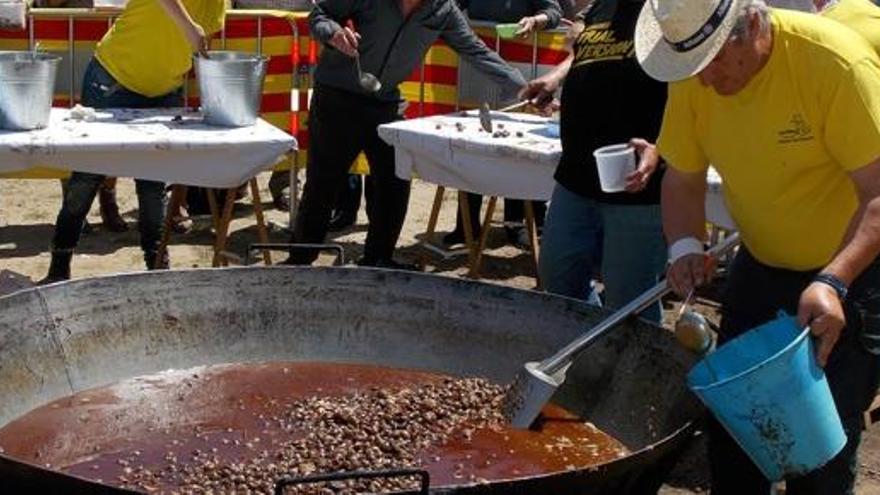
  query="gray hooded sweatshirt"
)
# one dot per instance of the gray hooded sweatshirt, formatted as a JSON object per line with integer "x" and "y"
{"x": 391, "y": 46}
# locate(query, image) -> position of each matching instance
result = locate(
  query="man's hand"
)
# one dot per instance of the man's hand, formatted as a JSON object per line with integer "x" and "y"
{"x": 820, "y": 308}
{"x": 540, "y": 91}
{"x": 648, "y": 161}
{"x": 689, "y": 272}
{"x": 198, "y": 40}
{"x": 529, "y": 24}
{"x": 526, "y": 25}
{"x": 345, "y": 40}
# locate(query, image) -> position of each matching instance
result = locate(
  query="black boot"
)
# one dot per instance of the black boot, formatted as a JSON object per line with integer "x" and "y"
{"x": 157, "y": 261}
{"x": 59, "y": 268}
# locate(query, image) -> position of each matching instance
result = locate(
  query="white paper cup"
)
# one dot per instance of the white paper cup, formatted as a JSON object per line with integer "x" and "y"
{"x": 615, "y": 162}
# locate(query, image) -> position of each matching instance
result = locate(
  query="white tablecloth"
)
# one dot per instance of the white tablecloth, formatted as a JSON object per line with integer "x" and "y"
{"x": 167, "y": 145}
{"x": 716, "y": 209}
{"x": 518, "y": 166}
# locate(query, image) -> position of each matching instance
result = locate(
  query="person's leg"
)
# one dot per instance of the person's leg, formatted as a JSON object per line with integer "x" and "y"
{"x": 278, "y": 182}
{"x": 390, "y": 199}
{"x": 753, "y": 295}
{"x": 110, "y": 216}
{"x": 514, "y": 223}
{"x": 151, "y": 221}
{"x": 853, "y": 372}
{"x": 87, "y": 228}
{"x": 634, "y": 254}
{"x": 540, "y": 208}
{"x": 348, "y": 202}
{"x": 334, "y": 144}
{"x": 78, "y": 198}
{"x": 571, "y": 245}
{"x": 474, "y": 203}
{"x": 514, "y": 210}
{"x": 853, "y": 381}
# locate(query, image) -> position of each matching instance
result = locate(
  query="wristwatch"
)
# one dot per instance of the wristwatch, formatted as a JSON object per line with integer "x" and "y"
{"x": 835, "y": 283}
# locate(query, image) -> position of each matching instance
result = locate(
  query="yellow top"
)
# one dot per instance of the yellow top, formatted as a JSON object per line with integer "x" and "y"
{"x": 146, "y": 51}
{"x": 783, "y": 145}
{"x": 861, "y": 16}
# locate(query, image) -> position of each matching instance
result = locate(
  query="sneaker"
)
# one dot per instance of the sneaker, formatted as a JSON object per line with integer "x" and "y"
{"x": 388, "y": 264}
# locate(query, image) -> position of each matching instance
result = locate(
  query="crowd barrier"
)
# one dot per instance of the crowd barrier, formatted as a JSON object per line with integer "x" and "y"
{"x": 441, "y": 84}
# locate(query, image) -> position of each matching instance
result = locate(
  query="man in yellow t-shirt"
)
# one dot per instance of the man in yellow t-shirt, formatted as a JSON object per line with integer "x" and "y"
{"x": 140, "y": 63}
{"x": 786, "y": 106}
{"x": 862, "y": 16}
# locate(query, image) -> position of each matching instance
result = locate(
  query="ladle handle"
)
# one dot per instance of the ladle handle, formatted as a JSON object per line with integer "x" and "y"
{"x": 424, "y": 478}
{"x": 509, "y": 108}
{"x": 555, "y": 362}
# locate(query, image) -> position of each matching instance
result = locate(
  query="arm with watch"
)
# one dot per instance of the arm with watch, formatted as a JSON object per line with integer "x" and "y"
{"x": 821, "y": 303}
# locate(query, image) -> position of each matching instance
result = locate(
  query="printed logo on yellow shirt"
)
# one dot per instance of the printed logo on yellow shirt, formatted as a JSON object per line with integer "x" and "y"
{"x": 798, "y": 130}
{"x": 597, "y": 42}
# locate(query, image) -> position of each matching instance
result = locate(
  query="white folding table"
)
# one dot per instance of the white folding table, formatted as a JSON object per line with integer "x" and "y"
{"x": 171, "y": 145}
{"x": 516, "y": 161}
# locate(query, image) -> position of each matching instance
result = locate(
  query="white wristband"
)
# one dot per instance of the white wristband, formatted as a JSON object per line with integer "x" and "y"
{"x": 684, "y": 247}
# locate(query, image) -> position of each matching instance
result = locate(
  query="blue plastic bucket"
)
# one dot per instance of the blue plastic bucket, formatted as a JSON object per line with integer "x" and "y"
{"x": 767, "y": 390}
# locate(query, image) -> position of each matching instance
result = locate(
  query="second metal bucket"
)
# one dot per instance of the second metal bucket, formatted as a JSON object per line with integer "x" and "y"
{"x": 230, "y": 86}
{"x": 27, "y": 80}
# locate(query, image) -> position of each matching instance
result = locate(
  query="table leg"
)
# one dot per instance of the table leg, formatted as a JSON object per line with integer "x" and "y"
{"x": 432, "y": 225}
{"x": 484, "y": 236}
{"x": 178, "y": 192}
{"x": 468, "y": 232}
{"x": 533, "y": 238}
{"x": 223, "y": 228}
{"x": 262, "y": 233}
{"x": 215, "y": 212}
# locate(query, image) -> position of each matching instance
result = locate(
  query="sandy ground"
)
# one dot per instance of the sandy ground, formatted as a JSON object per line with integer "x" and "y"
{"x": 27, "y": 214}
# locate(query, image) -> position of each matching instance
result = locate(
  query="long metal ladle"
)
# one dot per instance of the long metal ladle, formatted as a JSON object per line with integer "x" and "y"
{"x": 368, "y": 82}
{"x": 692, "y": 329}
{"x": 537, "y": 381}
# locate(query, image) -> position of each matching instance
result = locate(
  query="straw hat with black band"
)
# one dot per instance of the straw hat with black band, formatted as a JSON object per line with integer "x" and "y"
{"x": 676, "y": 39}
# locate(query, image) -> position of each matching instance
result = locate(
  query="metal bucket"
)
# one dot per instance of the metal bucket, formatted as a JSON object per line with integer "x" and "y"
{"x": 230, "y": 86}
{"x": 26, "y": 83}
{"x": 64, "y": 338}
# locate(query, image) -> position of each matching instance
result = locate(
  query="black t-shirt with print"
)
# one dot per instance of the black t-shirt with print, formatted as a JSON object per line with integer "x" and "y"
{"x": 607, "y": 99}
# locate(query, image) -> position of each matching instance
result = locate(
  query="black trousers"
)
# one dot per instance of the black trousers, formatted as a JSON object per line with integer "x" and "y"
{"x": 755, "y": 292}
{"x": 341, "y": 125}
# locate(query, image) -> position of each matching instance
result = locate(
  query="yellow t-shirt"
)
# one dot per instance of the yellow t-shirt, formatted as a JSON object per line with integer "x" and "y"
{"x": 861, "y": 16}
{"x": 146, "y": 51}
{"x": 783, "y": 145}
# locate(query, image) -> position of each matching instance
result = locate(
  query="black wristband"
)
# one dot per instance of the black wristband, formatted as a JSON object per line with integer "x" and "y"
{"x": 835, "y": 283}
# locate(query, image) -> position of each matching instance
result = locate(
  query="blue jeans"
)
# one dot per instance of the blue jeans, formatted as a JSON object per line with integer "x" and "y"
{"x": 101, "y": 90}
{"x": 582, "y": 236}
